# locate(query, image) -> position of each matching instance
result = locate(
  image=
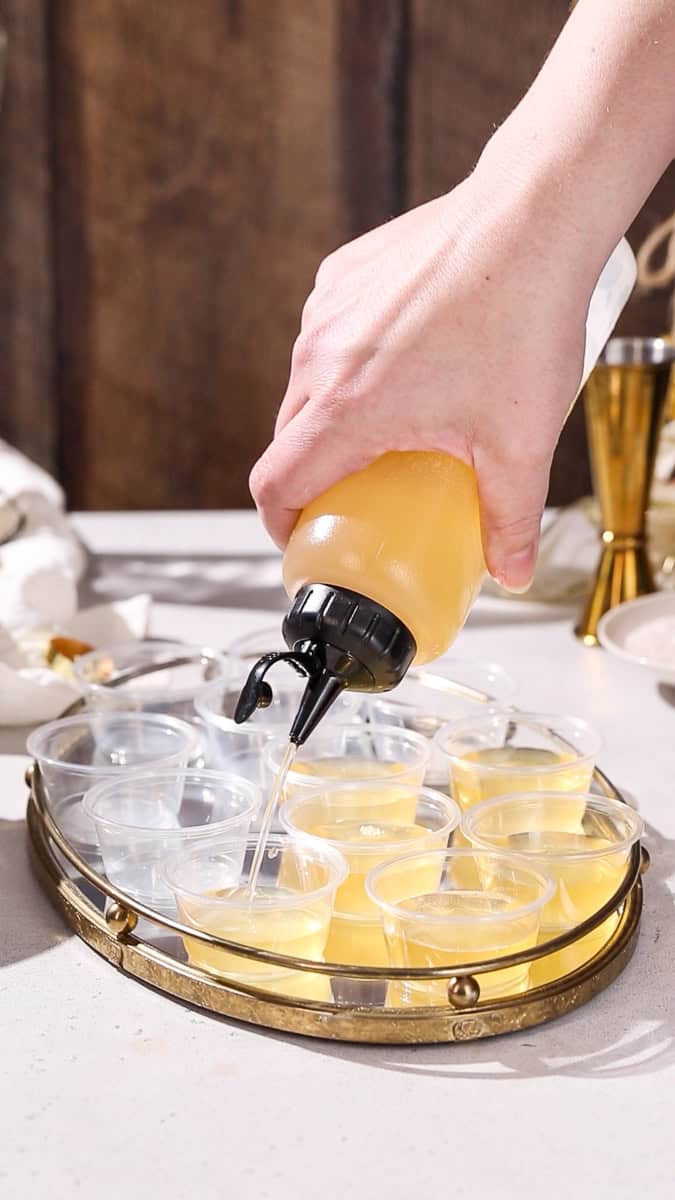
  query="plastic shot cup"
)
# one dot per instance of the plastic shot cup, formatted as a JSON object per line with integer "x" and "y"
{"x": 583, "y": 842}
{"x": 289, "y": 911}
{"x": 77, "y": 752}
{"x": 446, "y": 907}
{"x": 503, "y": 752}
{"x": 361, "y": 822}
{"x": 141, "y": 819}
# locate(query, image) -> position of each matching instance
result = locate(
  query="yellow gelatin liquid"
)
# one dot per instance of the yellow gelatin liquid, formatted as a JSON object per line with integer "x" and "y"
{"x": 583, "y": 886}
{"x": 401, "y": 805}
{"x": 355, "y": 934}
{"x": 416, "y": 943}
{"x": 404, "y": 531}
{"x": 267, "y": 924}
{"x": 476, "y": 776}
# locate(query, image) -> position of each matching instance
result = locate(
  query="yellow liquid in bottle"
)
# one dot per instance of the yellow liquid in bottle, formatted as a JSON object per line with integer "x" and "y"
{"x": 416, "y": 943}
{"x": 477, "y": 776}
{"x": 299, "y": 931}
{"x": 404, "y": 531}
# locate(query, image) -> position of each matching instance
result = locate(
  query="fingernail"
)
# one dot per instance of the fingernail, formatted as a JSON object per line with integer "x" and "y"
{"x": 516, "y": 573}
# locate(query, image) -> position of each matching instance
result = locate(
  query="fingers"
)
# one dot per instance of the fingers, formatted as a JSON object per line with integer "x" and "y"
{"x": 512, "y": 497}
{"x": 314, "y": 450}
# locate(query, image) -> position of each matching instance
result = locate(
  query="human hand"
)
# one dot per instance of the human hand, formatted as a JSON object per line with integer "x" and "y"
{"x": 457, "y": 327}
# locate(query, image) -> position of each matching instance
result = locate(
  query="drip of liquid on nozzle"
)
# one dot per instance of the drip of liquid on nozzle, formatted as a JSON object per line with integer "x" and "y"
{"x": 273, "y": 801}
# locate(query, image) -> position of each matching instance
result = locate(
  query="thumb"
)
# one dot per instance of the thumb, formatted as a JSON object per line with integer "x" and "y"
{"x": 512, "y": 497}
{"x": 314, "y": 450}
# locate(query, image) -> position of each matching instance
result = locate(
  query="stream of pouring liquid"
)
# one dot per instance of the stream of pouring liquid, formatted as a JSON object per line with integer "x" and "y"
{"x": 276, "y": 793}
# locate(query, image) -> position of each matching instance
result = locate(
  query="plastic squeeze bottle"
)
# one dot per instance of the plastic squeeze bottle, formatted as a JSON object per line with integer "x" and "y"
{"x": 383, "y": 567}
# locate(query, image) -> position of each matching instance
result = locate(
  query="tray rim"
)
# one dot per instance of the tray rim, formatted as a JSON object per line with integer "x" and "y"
{"x": 111, "y": 935}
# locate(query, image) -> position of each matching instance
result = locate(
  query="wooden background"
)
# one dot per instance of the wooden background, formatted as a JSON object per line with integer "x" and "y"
{"x": 171, "y": 175}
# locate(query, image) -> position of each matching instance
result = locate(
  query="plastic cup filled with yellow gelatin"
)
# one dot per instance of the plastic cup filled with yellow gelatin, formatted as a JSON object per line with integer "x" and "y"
{"x": 582, "y": 841}
{"x": 288, "y": 912}
{"x": 344, "y": 753}
{"x": 503, "y": 752}
{"x": 364, "y": 822}
{"x": 456, "y": 907}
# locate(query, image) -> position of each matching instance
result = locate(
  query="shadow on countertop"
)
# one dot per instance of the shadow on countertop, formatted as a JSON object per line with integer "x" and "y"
{"x": 29, "y": 925}
{"x": 223, "y": 580}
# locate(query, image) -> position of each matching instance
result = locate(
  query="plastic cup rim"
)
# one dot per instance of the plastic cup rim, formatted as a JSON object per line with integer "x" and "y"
{"x": 168, "y": 775}
{"x": 366, "y": 848}
{"x": 89, "y": 717}
{"x": 542, "y": 719}
{"x": 520, "y": 861}
{"x": 611, "y": 807}
{"x": 324, "y": 851}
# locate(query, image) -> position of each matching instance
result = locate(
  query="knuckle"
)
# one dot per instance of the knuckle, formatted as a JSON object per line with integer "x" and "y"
{"x": 325, "y": 270}
{"x": 262, "y": 483}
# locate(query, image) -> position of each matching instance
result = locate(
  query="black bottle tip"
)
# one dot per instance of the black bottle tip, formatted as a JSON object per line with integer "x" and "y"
{"x": 321, "y": 692}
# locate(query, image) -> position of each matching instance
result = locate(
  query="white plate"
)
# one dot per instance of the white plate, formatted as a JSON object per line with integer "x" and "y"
{"x": 625, "y": 629}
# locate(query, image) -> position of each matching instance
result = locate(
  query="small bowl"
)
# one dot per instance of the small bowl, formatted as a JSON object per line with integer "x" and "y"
{"x": 141, "y": 819}
{"x": 171, "y": 691}
{"x": 633, "y": 631}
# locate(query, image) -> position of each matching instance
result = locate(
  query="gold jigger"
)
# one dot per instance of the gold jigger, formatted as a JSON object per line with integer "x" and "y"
{"x": 625, "y": 402}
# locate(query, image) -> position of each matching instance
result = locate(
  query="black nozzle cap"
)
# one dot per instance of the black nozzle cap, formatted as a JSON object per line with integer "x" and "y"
{"x": 357, "y": 639}
{"x": 339, "y": 639}
{"x": 360, "y": 645}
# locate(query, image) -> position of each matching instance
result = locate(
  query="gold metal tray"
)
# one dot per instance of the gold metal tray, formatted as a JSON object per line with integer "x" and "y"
{"x": 108, "y": 921}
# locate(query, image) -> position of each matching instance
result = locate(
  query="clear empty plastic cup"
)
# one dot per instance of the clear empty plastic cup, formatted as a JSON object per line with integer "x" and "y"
{"x": 504, "y": 751}
{"x": 77, "y": 752}
{"x": 239, "y": 747}
{"x": 363, "y": 823}
{"x": 445, "y": 690}
{"x": 170, "y": 690}
{"x": 447, "y": 907}
{"x": 583, "y": 842}
{"x": 288, "y": 913}
{"x": 340, "y": 753}
{"x": 141, "y": 819}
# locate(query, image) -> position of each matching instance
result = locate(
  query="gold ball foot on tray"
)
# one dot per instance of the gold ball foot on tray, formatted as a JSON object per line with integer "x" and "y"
{"x": 464, "y": 991}
{"x": 645, "y": 860}
{"x": 30, "y": 775}
{"x": 120, "y": 920}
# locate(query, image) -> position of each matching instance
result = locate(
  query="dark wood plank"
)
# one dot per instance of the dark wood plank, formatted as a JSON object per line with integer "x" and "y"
{"x": 27, "y": 415}
{"x": 203, "y": 175}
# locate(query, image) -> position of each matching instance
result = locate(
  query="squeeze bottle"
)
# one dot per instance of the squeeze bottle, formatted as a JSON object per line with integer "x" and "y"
{"x": 383, "y": 567}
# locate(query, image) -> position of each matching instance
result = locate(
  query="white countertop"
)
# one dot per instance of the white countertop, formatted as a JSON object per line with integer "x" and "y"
{"x": 112, "y": 1090}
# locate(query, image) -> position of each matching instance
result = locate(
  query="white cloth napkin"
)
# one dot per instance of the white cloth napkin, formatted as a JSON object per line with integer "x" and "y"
{"x": 30, "y": 691}
{"x": 40, "y": 567}
{"x": 39, "y": 571}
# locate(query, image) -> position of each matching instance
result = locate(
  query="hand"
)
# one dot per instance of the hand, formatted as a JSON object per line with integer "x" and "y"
{"x": 458, "y": 327}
